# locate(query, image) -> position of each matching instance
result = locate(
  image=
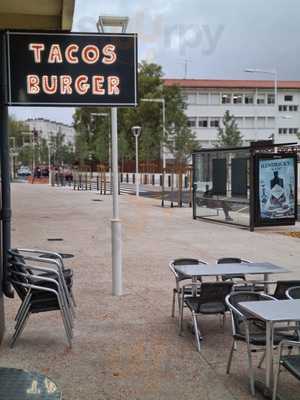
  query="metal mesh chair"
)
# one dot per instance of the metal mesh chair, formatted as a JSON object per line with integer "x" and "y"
{"x": 293, "y": 293}
{"x": 180, "y": 277}
{"x": 210, "y": 301}
{"x": 248, "y": 329}
{"x": 290, "y": 362}
{"x": 282, "y": 287}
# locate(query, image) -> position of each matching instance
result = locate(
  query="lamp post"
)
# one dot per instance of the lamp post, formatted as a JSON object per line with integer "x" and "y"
{"x": 90, "y": 157}
{"x": 49, "y": 163}
{"x": 274, "y": 73}
{"x": 136, "y": 131}
{"x": 116, "y": 226}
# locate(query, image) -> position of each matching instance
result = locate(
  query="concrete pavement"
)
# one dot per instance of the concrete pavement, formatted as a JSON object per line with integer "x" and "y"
{"x": 128, "y": 347}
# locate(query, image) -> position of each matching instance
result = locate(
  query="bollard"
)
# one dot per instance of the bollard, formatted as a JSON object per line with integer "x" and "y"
{"x": 153, "y": 179}
{"x": 186, "y": 182}
{"x": 80, "y": 182}
{"x": 97, "y": 182}
{"x": 169, "y": 180}
{"x": 133, "y": 178}
{"x": 121, "y": 177}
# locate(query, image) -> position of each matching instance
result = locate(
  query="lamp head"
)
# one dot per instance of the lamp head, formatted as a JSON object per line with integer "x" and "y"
{"x": 136, "y": 131}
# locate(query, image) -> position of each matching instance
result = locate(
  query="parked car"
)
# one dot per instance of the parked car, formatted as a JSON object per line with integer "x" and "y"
{"x": 24, "y": 171}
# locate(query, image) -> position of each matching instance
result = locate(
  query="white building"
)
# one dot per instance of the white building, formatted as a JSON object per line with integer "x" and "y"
{"x": 252, "y": 102}
{"x": 47, "y": 129}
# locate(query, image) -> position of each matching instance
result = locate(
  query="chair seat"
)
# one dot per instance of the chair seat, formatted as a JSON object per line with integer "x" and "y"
{"x": 259, "y": 339}
{"x": 248, "y": 288}
{"x": 195, "y": 304}
{"x": 292, "y": 364}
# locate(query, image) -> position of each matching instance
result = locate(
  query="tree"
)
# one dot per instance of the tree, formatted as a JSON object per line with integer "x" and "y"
{"x": 93, "y": 133}
{"x": 229, "y": 135}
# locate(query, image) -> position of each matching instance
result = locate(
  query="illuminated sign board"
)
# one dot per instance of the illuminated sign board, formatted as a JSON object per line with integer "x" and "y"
{"x": 276, "y": 189}
{"x": 62, "y": 69}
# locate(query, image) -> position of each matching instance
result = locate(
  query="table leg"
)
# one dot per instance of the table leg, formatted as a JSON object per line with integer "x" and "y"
{"x": 269, "y": 354}
{"x": 266, "y": 279}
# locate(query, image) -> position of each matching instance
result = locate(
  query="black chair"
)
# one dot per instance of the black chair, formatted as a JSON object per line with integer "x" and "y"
{"x": 180, "y": 277}
{"x": 210, "y": 301}
{"x": 293, "y": 293}
{"x": 282, "y": 287}
{"x": 290, "y": 362}
{"x": 39, "y": 294}
{"x": 246, "y": 328}
{"x": 241, "y": 277}
{"x": 54, "y": 263}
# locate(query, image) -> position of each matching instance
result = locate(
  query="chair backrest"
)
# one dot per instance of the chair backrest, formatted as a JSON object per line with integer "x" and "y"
{"x": 215, "y": 292}
{"x": 282, "y": 287}
{"x": 230, "y": 260}
{"x": 183, "y": 261}
{"x": 17, "y": 272}
{"x": 293, "y": 293}
{"x": 240, "y": 316}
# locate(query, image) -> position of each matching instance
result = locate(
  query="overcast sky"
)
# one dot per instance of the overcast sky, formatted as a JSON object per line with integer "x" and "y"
{"x": 202, "y": 38}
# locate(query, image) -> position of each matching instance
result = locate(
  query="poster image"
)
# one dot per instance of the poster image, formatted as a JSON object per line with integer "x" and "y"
{"x": 277, "y": 188}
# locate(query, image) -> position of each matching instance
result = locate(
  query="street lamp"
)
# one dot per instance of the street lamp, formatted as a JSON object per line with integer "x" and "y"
{"x": 136, "y": 131}
{"x": 268, "y": 72}
{"x": 90, "y": 157}
{"x": 116, "y": 226}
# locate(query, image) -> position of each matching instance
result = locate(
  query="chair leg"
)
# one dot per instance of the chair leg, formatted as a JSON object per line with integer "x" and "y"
{"x": 196, "y": 331}
{"x": 276, "y": 380}
{"x": 20, "y": 329}
{"x": 251, "y": 371}
{"x": 173, "y": 304}
{"x": 262, "y": 360}
{"x": 230, "y": 357}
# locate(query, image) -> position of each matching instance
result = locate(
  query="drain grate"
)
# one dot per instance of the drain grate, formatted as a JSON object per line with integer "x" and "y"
{"x": 55, "y": 239}
{"x": 97, "y": 200}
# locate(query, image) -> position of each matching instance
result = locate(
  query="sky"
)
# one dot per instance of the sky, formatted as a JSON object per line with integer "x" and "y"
{"x": 199, "y": 38}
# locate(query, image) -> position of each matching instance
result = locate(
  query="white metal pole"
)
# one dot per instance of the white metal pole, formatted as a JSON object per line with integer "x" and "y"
{"x": 137, "y": 177}
{"x": 49, "y": 164}
{"x": 275, "y": 104}
{"x": 164, "y": 132}
{"x": 116, "y": 227}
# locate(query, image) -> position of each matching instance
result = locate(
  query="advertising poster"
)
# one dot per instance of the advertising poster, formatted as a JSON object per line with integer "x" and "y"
{"x": 276, "y": 188}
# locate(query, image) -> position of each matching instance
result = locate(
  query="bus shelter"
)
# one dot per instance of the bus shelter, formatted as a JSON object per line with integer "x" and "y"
{"x": 246, "y": 186}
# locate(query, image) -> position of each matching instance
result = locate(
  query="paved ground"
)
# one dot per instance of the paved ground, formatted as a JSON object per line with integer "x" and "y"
{"x": 128, "y": 347}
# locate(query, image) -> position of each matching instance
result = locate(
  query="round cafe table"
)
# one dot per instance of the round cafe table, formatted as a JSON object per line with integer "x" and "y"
{"x": 16, "y": 384}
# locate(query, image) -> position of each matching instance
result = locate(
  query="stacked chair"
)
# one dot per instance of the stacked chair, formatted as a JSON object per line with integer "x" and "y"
{"x": 43, "y": 284}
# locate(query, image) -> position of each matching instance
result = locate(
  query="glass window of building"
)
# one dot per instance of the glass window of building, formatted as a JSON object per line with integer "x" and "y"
{"x": 203, "y": 98}
{"x": 270, "y": 122}
{"x": 192, "y": 122}
{"x": 215, "y": 98}
{"x": 249, "y": 98}
{"x": 288, "y": 97}
{"x": 192, "y": 98}
{"x": 203, "y": 122}
{"x": 271, "y": 98}
{"x": 261, "y": 122}
{"x": 261, "y": 98}
{"x": 214, "y": 122}
{"x": 249, "y": 122}
{"x": 226, "y": 98}
{"x": 237, "y": 98}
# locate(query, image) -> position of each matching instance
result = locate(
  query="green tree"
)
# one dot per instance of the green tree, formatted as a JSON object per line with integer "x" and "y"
{"x": 229, "y": 135}
{"x": 93, "y": 133}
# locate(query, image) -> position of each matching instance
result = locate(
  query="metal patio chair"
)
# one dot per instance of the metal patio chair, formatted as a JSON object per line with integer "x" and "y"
{"x": 290, "y": 362}
{"x": 177, "y": 290}
{"x": 293, "y": 293}
{"x": 240, "y": 280}
{"x": 246, "y": 328}
{"x": 39, "y": 294}
{"x": 280, "y": 292}
{"x": 54, "y": 262}
{"x": 211, "y": 300}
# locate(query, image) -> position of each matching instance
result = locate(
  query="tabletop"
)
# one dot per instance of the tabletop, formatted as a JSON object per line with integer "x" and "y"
{"x": 230, "y": 269}
{"x": 274, "y": 311}
{"x": 16, "y": 384}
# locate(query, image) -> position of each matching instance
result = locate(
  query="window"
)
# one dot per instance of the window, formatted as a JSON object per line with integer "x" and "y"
{"x": 192, "y": 122}
{"x": 203, "y": 98}
{"x": 226, "y": 98}
{"x": 292, "y": 108}
{"x": 288, "y": 97}
{"x": 249, "y": 98}
{"x": 214, "y": 122}
{"x": 270, "y": 122}
{"x": 261, "y": 122}
{"x": 271, "y": 98}
{"x": 203, "y": 122}
{"x": 192, "y": 98}
{"x": 283, "y": 108}
{"x": 237, "y": 99}
{"x": 249, "y": 122}
{"x": 293, "y": 131}
{"x": 215, "y": 98}
{"x": 261, "y": 99}
{"x": 283, "y": 131}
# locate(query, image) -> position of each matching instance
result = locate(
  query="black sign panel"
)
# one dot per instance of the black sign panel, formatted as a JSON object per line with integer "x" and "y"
{"x": 52, "y": 69}
{"x": 275, "y": 189}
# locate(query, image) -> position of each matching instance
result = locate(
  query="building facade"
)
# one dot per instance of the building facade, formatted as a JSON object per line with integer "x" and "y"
{"x": 50, "y": 129}
{"x": 259, "y": 115}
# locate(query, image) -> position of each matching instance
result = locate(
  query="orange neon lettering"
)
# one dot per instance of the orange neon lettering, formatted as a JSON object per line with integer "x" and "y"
{"x": 90, "y": 54}
{"x": 69, "y": 53}
{"x": 109, "y": 53}
{"x": 81, "y": 85}
{"x": 37, "y": 48}
{"x": 113, "y": 85}
{"x": 52, "y": 87}
{"x": 33, "y": 84}
{"x": 55, "y": 54}
{"x": 65, "y": 84}
{"x": 98, "y": 84}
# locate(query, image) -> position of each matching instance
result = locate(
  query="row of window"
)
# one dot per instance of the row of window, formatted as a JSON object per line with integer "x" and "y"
{"x": 242, "y": 122}
{"x": 284, "y": 131}
{"x": 287, "y": 108}
{"x": 213, "y": 98}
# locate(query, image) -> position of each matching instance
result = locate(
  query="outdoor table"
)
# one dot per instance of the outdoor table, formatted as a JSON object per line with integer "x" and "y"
{"x": 16, "y": 384}
{"x": 272, "y": 312}
{"x": 255, "y": 268}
